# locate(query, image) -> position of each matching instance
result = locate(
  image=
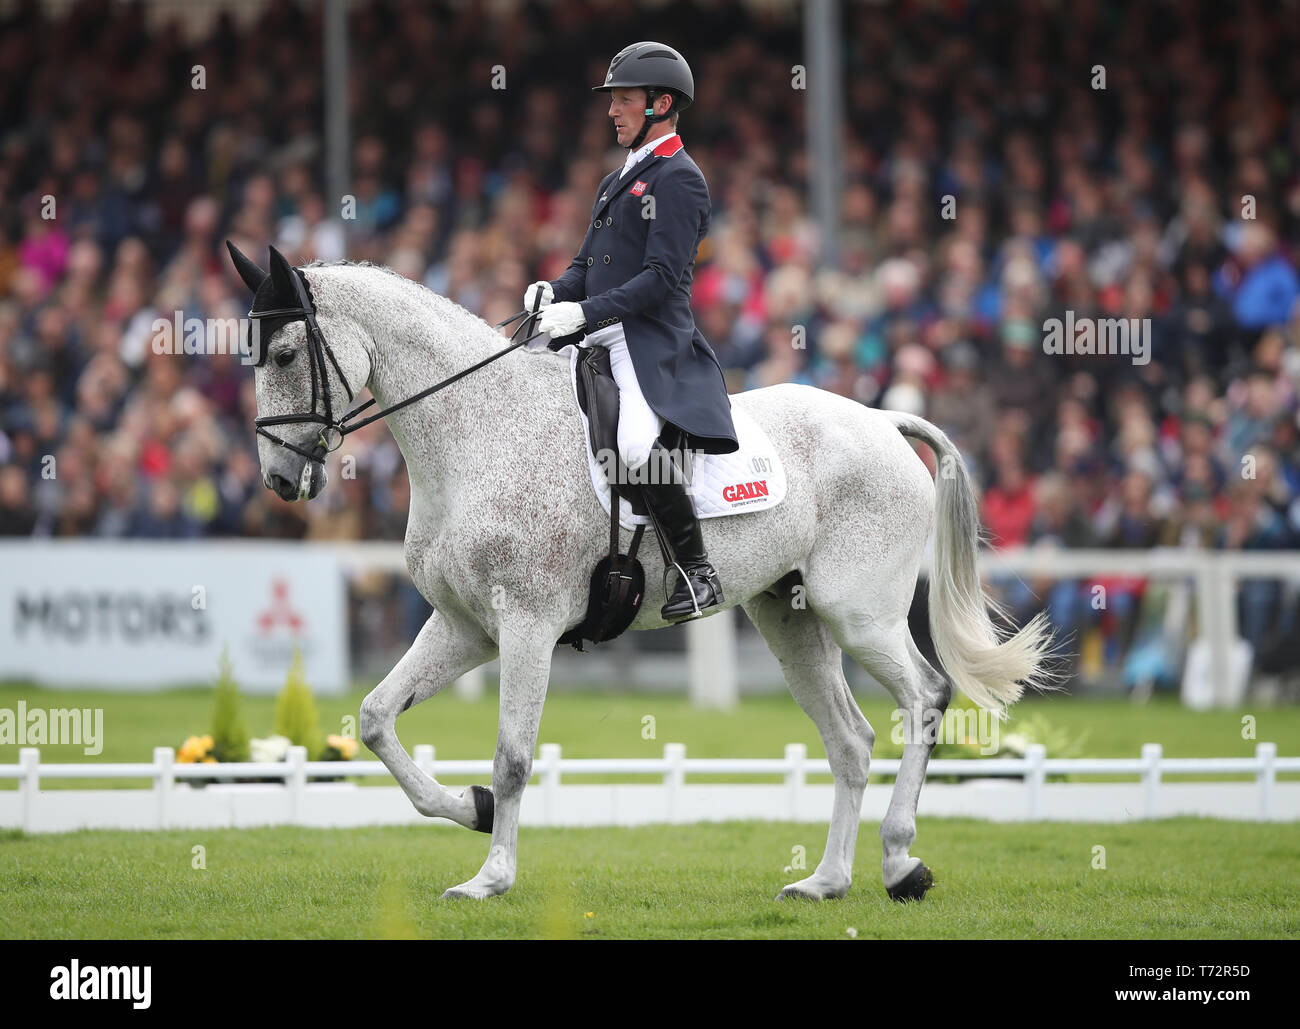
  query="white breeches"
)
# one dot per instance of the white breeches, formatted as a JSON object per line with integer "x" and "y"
{"x": 638, "y": 425}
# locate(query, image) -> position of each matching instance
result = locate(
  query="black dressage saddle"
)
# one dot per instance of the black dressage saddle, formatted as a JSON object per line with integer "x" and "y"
{"x": 618, "y": 581}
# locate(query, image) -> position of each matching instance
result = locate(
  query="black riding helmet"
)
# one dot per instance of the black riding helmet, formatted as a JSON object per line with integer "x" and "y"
{"x": 655, "y": 68}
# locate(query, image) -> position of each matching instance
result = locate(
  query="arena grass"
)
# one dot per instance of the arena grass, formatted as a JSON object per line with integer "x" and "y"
{"x": 614, "y": 725}
{"x": 1177, "y": 878}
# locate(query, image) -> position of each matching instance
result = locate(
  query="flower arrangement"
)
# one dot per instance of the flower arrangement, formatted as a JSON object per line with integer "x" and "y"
{"x": 296, "y": 724}
{"x": 196, "y": 750}
{"x": 269, "y": 750}
{"x": 339, "y": 748}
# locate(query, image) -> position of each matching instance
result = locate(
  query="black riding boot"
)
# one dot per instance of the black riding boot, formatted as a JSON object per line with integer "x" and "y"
{"x": 678, "y": 530}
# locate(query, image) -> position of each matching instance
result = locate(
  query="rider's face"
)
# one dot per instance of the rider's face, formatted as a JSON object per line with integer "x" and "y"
{"x": 627, "y": 110}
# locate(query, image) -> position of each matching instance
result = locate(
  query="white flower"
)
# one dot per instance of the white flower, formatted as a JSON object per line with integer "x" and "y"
{"x": 271, "y": 749}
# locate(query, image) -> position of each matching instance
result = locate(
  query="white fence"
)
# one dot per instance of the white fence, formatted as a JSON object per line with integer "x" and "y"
{"x": 1025, "y": 795}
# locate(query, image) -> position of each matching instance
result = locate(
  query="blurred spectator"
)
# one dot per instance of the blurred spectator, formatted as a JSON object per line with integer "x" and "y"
{"x": 1123, "y": 203}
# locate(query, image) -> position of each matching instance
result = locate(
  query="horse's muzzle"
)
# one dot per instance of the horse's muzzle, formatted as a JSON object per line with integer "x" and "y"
{"x": 306, "y": 487}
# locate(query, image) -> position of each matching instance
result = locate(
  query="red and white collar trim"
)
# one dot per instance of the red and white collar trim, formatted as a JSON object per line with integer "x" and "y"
{"x": 669, "y": 146}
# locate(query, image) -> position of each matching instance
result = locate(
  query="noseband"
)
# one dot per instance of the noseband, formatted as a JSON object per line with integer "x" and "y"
{"x": 334, "y": 430}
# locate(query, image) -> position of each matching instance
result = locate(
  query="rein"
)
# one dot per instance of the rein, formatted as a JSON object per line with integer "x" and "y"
{"x": 334, "y": 430}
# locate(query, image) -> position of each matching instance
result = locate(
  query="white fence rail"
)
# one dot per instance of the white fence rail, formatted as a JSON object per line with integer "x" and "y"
{"x": 1025, "y": 796}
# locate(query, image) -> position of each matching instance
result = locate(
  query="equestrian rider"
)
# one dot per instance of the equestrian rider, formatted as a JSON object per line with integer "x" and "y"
{"x": 629, "y": 288}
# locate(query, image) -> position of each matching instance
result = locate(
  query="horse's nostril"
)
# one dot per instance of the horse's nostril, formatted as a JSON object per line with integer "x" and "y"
{"x": 283, "y": 488}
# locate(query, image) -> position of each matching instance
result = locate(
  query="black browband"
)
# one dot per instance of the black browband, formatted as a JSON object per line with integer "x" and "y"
{"x": 331, "y": 436}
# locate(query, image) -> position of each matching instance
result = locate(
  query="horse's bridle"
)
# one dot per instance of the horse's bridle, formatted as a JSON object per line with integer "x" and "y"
{"x": 334, "y": 430}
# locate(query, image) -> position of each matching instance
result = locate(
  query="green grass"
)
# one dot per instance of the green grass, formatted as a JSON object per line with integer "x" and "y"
{"x": 1179, "y": 878}
{"x": 609, "y": 725}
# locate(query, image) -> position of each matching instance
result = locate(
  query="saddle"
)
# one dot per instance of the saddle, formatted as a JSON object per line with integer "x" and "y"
{"x": 618, "y": 581}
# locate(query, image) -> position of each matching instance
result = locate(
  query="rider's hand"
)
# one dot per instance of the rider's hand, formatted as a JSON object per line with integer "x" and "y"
{"x": 562, "y": 319}
{"x": 530, "y": 295}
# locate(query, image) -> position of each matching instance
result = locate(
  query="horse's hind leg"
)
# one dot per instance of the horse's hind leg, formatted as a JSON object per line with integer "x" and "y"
{"x": 922, "y": 695}
{"x": 812, "y": 665}
{"x": 442, "y": 652}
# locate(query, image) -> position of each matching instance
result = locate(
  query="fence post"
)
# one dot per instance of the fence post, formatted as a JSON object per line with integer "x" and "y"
{"x": 470, "y": 686}
{"x": 796, "y": 775}
{"x": 674, "y": 777}
{"x": 1151, "y": 754}
{"x": 297, "y": 782}
{"x": 711, "y": 659}
{"x": 424, "y": 758}
{"x": 1035, "y": 778}
{"x": 550, "y": 757}
{"x": 1266, "y": 755}
{"x": 164, "y": 778}
{"x": 30, "y": 784}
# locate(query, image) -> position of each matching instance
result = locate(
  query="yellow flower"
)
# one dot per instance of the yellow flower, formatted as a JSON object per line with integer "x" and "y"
{"x": 345, "y": 745}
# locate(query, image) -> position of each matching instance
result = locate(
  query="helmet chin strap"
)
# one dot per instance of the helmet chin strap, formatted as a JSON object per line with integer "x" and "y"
{"x": 650, "y": 117}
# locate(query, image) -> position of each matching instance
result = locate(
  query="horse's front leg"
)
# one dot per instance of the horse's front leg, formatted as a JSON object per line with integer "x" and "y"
{"x": 442, "y": 652}
{"x": 525, "y": 669}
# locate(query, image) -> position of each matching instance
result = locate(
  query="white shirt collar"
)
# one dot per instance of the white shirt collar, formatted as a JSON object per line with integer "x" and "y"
{"x": 637, "y": 156}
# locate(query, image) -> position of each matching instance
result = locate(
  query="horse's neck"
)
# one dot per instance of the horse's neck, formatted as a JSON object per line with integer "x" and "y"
{"x": 459, "y": 431}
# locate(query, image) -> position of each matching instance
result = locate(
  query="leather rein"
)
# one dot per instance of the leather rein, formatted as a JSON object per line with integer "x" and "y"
{"x": 334, "y": 430}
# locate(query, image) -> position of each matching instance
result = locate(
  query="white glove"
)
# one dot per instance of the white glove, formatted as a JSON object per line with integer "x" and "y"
{"x": 562, "y": 319}
{"x": 530, "y": 294}
{"x": 530, "y": 297}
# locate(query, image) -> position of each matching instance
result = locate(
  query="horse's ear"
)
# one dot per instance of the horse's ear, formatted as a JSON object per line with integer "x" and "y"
{"x": 282, "y": 285}
{"x": 252, "y": 275}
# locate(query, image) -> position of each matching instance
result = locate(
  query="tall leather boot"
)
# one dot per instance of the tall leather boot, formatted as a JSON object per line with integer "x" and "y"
{"x": 678, "y": 530}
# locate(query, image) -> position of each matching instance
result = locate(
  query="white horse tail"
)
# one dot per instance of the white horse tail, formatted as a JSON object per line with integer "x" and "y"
{"x": 989, "y": 670}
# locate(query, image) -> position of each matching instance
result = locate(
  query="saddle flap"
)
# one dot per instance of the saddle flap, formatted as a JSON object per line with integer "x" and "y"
{"x": 598, "y": 398}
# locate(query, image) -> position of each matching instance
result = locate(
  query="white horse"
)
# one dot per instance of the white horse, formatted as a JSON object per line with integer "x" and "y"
{"x": 504, "y": 530}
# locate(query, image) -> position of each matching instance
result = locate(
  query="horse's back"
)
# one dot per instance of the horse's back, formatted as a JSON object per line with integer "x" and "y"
{"x": 835, "y": 438}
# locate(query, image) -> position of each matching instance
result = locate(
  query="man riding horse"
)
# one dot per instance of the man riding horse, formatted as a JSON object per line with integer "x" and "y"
{"x": 629, "y": 289}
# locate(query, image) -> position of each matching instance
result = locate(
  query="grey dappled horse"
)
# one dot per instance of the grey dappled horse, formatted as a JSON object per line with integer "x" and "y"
{"x": 504, "y": 530}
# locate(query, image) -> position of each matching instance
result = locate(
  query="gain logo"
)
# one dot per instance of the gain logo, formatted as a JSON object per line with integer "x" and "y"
{"x": 745, "y": 491}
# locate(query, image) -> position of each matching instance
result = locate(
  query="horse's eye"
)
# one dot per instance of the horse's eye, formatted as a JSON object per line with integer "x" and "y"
{"x": 285, "y": 358}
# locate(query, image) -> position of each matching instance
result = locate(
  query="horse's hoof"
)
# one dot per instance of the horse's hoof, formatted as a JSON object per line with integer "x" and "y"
{"x": 913, "y": 887}
{"x": 805, "y": 889}
{"x": 467, "y": 891}
{"x": 484, "y": 810}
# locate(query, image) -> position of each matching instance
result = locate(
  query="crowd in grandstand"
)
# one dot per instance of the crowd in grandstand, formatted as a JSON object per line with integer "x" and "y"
{"x": 1000, "y": 169}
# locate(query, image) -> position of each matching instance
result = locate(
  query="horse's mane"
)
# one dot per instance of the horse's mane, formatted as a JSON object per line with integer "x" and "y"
{"x": 456, "y": 308}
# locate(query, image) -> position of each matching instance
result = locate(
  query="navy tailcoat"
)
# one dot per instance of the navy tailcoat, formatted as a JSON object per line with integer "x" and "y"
{"x": 636, "y": 266}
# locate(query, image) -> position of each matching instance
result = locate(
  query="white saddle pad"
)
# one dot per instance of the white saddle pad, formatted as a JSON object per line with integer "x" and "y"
{"x": 751, "y": 479}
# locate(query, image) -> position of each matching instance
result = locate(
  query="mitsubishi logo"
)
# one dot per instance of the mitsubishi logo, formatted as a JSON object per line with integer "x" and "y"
{"x": 280, "y": 611}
